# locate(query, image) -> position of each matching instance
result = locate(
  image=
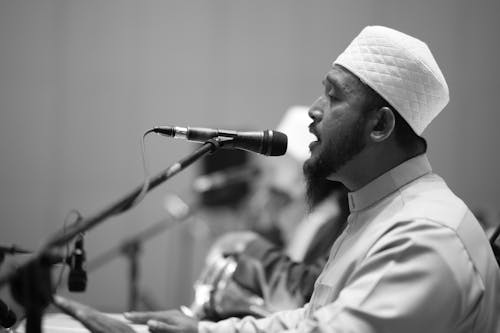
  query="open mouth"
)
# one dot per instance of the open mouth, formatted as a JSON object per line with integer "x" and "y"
{"x": 312, "y": 130}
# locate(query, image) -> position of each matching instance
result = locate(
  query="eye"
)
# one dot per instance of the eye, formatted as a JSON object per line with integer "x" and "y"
{"x": 331, "y": 94}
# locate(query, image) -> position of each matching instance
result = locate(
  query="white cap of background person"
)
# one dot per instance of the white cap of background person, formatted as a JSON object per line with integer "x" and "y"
{"x": 286, "y": 172}
{"x": 400, "y": 68}
{"x": 295, "y": 124}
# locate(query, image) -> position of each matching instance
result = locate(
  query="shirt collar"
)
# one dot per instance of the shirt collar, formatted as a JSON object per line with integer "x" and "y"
{"x": 389, "y": 182}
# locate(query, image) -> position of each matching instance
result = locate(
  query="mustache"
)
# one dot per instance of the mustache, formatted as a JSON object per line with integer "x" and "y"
{"x": 312, "y": 129}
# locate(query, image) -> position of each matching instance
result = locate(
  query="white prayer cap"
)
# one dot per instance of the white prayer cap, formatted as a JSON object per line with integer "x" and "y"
{"x": 295, "y": 124}
{"x": 401, "y": 69}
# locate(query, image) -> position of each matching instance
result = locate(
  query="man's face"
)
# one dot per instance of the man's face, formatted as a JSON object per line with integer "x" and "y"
{"x": 338, "y": 123}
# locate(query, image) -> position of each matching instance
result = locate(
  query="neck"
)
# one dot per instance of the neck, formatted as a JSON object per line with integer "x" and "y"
{"x": 371, "y": 164}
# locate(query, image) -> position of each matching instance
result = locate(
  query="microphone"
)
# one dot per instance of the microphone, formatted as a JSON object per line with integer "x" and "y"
{"x": 220, "y": 179}
{"x": 77, "y": 278}
{"x": 270, "y": 143}
{"x": 7, "y": 317}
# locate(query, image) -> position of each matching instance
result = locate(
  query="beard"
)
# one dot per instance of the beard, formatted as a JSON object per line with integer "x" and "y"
{"x": 318, "y": 189}
{"x": 330, "y": 158}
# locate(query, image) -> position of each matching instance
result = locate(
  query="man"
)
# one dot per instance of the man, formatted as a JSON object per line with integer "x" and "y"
{"x": 412, "y": 257}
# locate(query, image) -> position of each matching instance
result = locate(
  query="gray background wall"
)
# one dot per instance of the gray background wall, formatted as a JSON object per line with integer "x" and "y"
{"x": 80, "y": 81}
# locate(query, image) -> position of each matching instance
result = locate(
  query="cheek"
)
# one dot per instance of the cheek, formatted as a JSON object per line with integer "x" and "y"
{"x": 331, "y": 126}
{"x": 338, "y": 132}
{"x": 337, "y": 115}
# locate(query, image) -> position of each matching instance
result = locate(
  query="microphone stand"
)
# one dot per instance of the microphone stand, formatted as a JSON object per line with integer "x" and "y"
{"x": 31, "y": 282}
{"x": 131, "y": 249}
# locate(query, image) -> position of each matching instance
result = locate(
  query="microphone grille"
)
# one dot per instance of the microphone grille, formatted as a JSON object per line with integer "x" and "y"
{"x": 279, "y": 143}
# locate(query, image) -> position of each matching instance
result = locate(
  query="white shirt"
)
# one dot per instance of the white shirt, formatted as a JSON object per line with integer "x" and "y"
{"x": 412, "y": 259}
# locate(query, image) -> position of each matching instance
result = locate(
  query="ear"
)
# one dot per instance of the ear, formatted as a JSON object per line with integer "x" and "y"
{"x": 383, "y": 124}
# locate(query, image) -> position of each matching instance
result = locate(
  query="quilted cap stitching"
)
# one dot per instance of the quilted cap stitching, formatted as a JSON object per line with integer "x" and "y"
{"x": 401, "y": 69}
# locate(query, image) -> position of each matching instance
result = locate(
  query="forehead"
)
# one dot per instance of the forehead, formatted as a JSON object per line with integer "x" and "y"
{"x": 344, "y": 80}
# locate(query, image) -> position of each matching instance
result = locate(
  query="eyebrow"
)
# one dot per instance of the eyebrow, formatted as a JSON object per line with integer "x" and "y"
{"x": 345, "y": 88}
{"x": 334, "y": 83}
{"x": 330, "y": 81}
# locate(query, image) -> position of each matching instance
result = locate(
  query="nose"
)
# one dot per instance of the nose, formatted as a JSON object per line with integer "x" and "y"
{"x": 315, "y": 111}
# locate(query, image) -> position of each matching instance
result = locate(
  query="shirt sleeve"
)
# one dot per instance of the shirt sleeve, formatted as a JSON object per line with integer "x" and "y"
{"x": 418, "y": 277}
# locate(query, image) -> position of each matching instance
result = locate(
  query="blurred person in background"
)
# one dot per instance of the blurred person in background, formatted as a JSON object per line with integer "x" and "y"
{"x": 262, "y": 271}
{"x": 225, "y": 182}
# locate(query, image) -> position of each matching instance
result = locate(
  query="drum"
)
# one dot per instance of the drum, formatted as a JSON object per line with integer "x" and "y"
{"x": 218, "y": 296}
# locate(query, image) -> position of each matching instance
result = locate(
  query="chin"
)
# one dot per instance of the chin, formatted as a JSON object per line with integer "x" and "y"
{"x": 312, "y": 166}
{"x": 308, "y": 165}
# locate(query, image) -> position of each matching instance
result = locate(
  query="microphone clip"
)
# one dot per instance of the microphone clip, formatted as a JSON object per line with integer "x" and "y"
{"x": 77, "y": 277}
